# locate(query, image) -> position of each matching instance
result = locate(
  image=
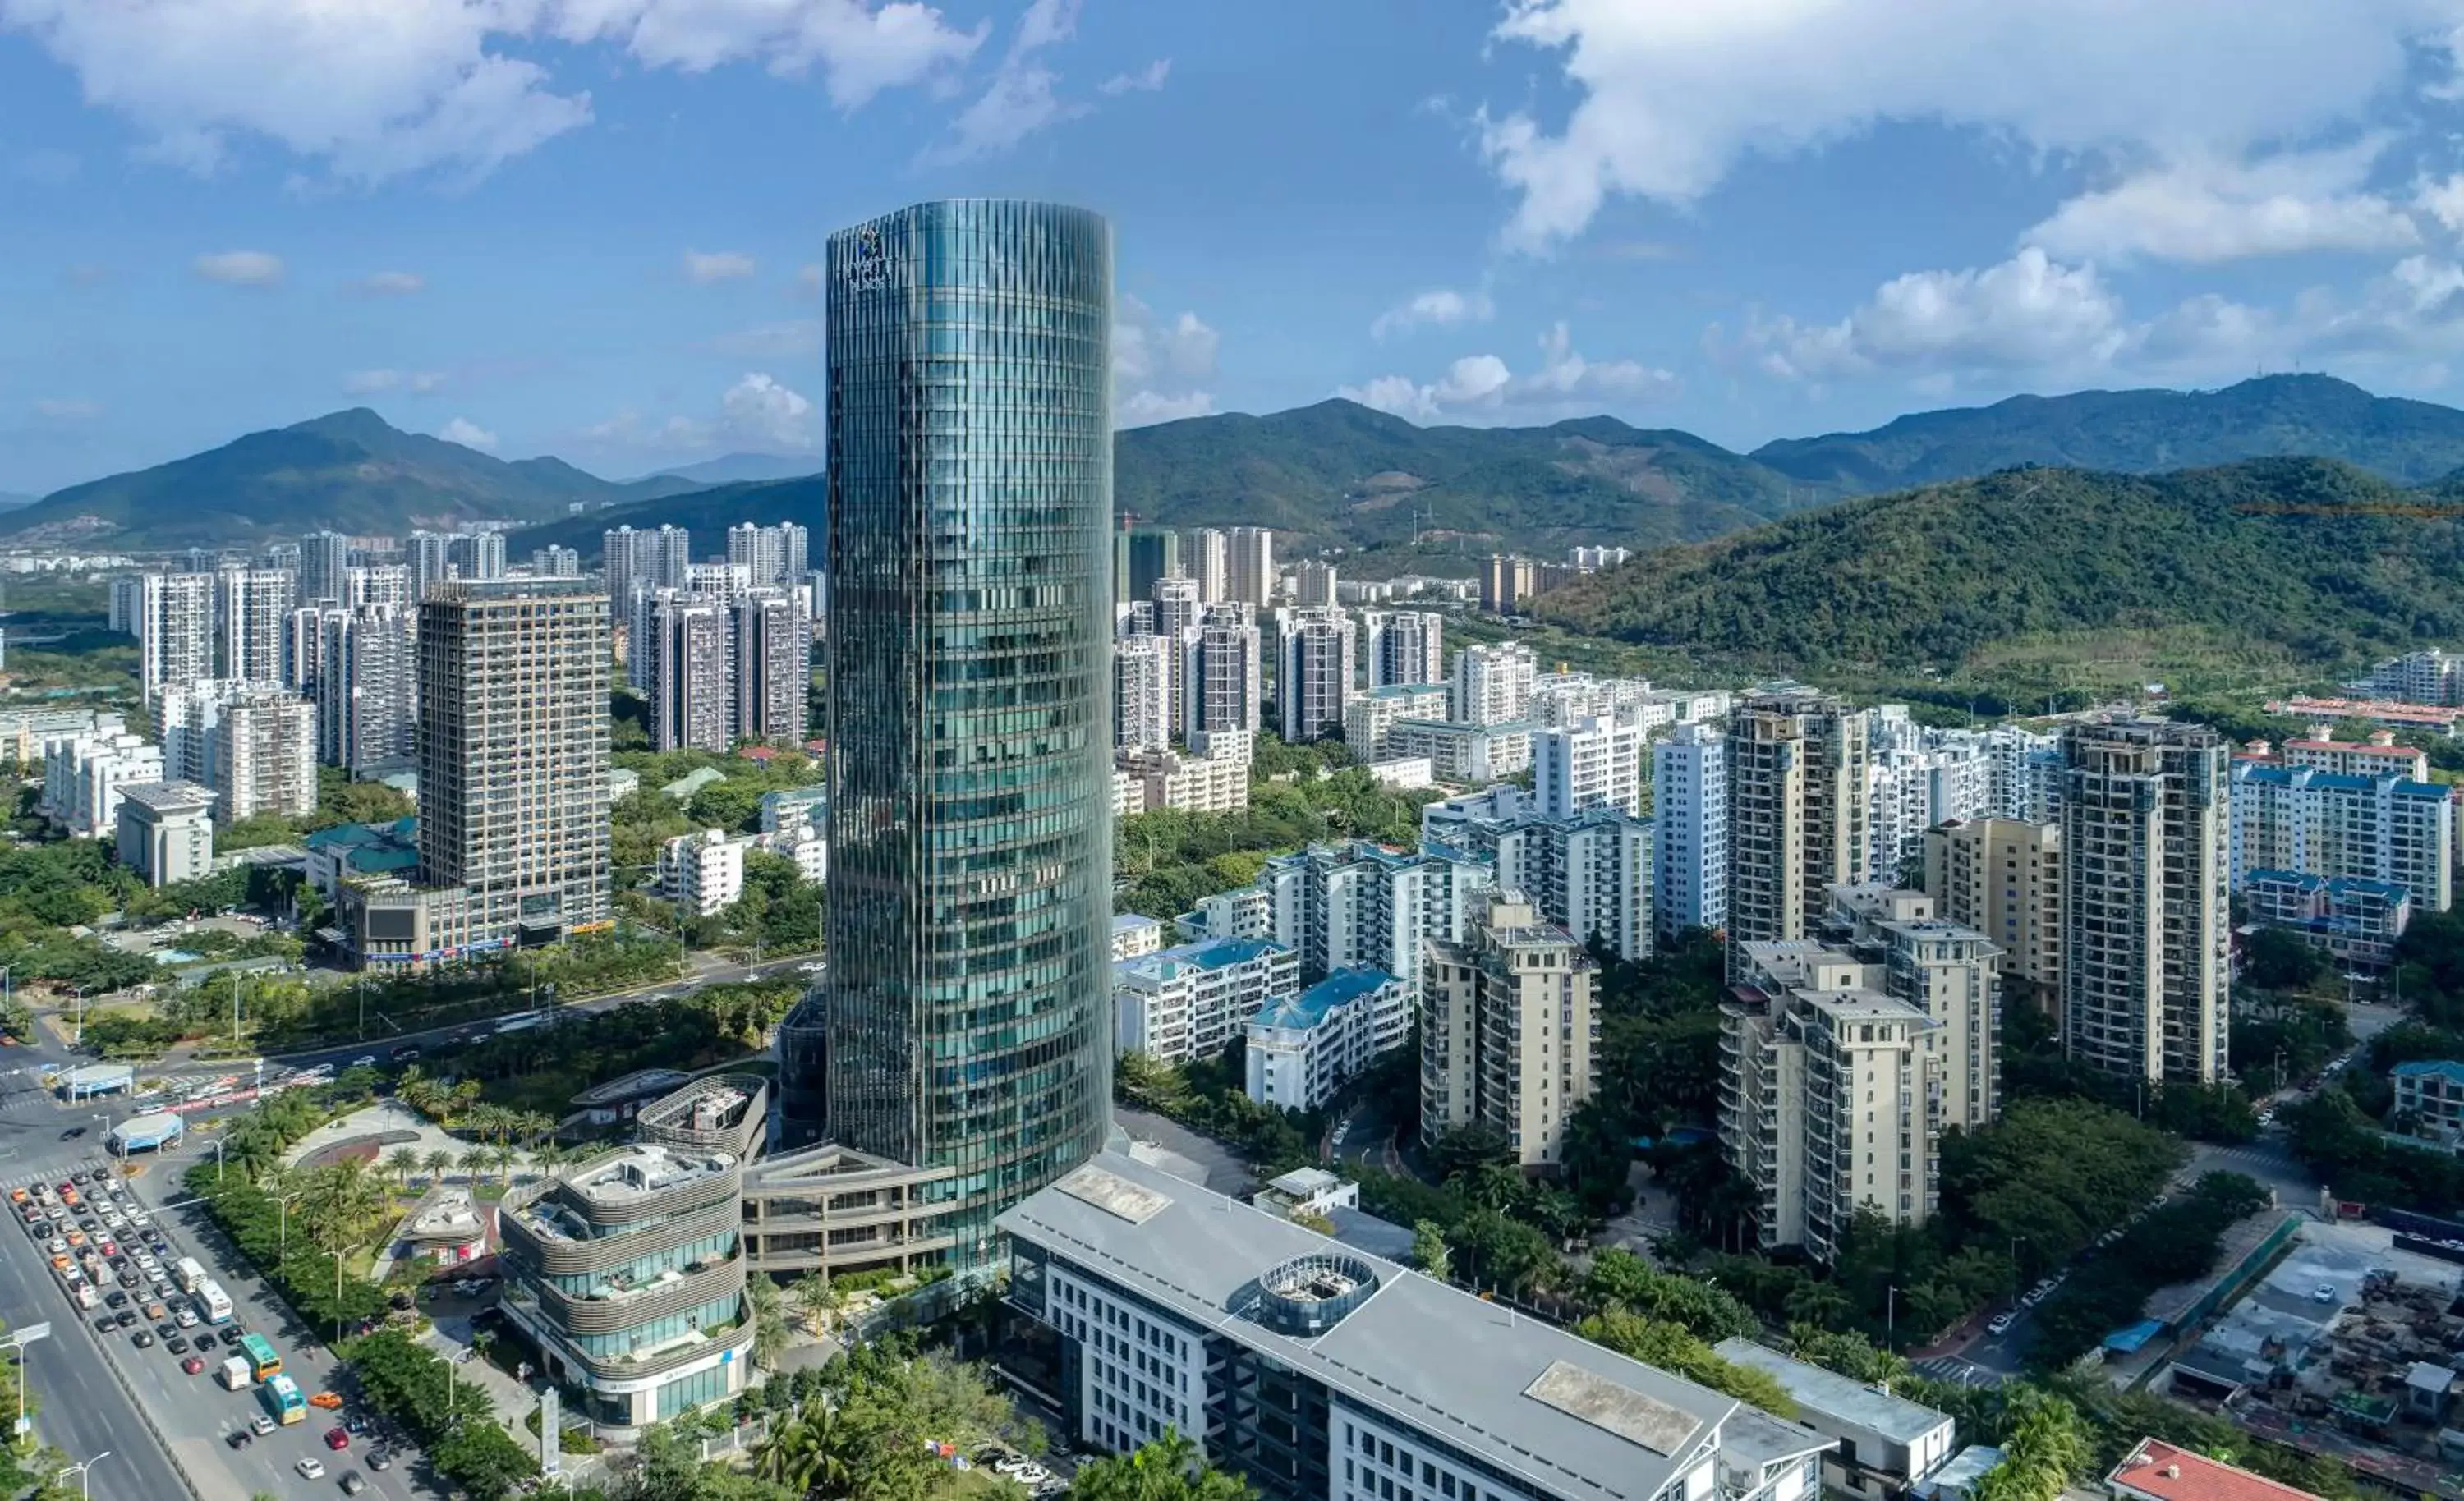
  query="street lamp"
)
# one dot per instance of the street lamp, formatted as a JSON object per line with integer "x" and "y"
{"x": 216, "y": 1142}
{"x": 78, "y": 991}
{"x": 82, "y": 1470}
{"x": 18, "y": 1342}
{"x": 104, "y": 1122}
{"x": 282, "y": 1224}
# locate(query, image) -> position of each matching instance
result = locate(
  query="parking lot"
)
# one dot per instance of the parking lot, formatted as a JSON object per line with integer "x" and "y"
{"x": 168, "y": 1314}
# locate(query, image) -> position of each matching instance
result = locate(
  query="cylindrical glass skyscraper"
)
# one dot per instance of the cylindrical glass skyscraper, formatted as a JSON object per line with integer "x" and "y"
{"x": 968, "y": 998}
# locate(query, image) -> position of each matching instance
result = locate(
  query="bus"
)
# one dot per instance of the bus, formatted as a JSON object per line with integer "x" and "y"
{"x": 262, "y": 1361}
{"x": 187, "y": 1273}
{"x": 213, "y": 1304}
{"x": 282, "y": 1399}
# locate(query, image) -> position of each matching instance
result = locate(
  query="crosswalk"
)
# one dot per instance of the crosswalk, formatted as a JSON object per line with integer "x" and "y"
{"x": 55, "y": 1173}
{"x": 1952, "y": 1368}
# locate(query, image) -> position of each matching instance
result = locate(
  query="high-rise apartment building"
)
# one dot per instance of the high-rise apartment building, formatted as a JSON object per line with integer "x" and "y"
{"x": 1493, "y": 684}
{"x": 646, "y": 560}
{"x": 556, "y": 562}
{"x": 2312, "y": 822}
{"x": 1252, "y": 579}
{"x": 175, "y": 630}
{"x": 513, "y": 754}
{"x": 1589, "y": 872}
{"x": 1797, "y": 765}
{"x": 967, "y": 1019}
{"x": 691, "y": 687}
{"x": 774, "y": 558}
{"x": 477, "y": 555}
{"x": 2146, "y": 926}
{"x": 2003, "y": 878}
{"x": 428, "y": 556}
{"x": 1176, "y": 611}
{"x": 774, "y": 665}
{"x": 1142, "y": 556}
{"x": 376, "y": 583}
{"x": 1689, "y": 814}
{"x": 1596, "y": 763}
{"x": 1313, "y": 669}
{"x": 251, "y": 622}
{"x": 254, "y": 744}
{"x": 368, "y": 689}
{"x": 1223, "y": 690}
{"x": 1508, "y": 1035}
{"x": 304, "y": 647}
{"x": 1949, "y": 972}
{"x": 1406, "y": 647}
{"x": 1209, "y": 556}
{"x": 1313, "y": 585}
{"x": 324, "y": 567}
{"x": 1141, "y": 692}
{"x": 1371, "y": 720}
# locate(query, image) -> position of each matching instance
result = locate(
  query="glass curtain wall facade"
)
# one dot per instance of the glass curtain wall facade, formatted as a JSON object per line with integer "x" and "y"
{"x": 967, "y": 1002}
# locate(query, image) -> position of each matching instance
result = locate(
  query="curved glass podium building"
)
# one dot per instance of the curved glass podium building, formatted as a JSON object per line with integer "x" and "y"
{"x": 966, "y": 1011}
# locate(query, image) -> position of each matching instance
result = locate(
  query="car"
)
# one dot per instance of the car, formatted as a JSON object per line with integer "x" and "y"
{"x": 205, "y": 1338}
{"x": 142, "y": 1340}
{"x": 325, "y": 1401}
{"x": 125, "y": 1319}
{"x": 365, "y": 1060}
{"x": 338, "y": 1437}
{"x": 115, "y": 1299}
{"x": 104, "y": 1325}
{"x": 240, "y": 1438}
{"x": 176, "y": 1345}
{"x": 192, "y": 1365}
{"x": 187, "y": 1319}
{"x": 17, "y": 1196}
{"x": 405, "y": 1054}
{"x": 260, "y": 1425}
{"x": 352, "y": 1484}
{"x": 379, "y": 1459}
{"x": 165, "y": 1331}
{"x": 311, "y": 1467}
{"x": 2323, "y": 1292}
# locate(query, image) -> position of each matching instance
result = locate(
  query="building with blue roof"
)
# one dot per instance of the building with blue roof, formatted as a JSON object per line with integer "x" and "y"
{"x": 1303, "y": 1047}
{"x": 2429, "y": 1098}
{"x": 1191, "y": 1001}
{"x": 2316, "y": 822}
{"x": 2354, "y": 920}
{"x": 346, "y": 849}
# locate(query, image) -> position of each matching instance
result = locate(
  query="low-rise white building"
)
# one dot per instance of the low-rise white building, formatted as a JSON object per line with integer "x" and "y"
{"x": 1369, "y": 721}
{"x": 1884, "y": 1442}
{"x": 85, "y": 771}
{"x": 1164, "y": 779}
{"x": 1135, "y": 935}
{"x": 167, "y": 832}
{"x": 1464, "y": 754}
{"x": 1191, "y": 1001}
{"x": 702, "y": 872}
{"x": 1302, "y": 1048}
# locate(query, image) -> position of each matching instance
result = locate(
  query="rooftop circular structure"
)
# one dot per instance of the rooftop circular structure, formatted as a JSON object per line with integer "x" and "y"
{"x": 147, "y": 1133}
{"x": 1308, "y": 1295}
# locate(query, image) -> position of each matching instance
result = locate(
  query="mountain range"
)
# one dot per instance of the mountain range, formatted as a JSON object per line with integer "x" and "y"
{"x": 1332, "y": 474}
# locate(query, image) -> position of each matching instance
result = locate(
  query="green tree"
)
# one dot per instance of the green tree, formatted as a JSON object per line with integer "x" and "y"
{"x": 1429, "y": 1250}
{"x": 1672, "y": 1348}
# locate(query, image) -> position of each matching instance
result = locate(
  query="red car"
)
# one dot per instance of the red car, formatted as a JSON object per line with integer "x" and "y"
{"x": 192, "y": 1365}
{"x": 338, "y": 1437}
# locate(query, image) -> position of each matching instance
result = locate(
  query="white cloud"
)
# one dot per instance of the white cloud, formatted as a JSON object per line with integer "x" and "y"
{"x": 1440, "y": 308}
{"x": 2205, "y": 211}
{"x": 1161, "y": 368}
{"x": 1146, "y": 81}
{"x": 797, "y": 338}
{"x": 375, "y": 88}
{"x": 1484, "y": 386}
{"x": 808, "y": 279}
{"x": 759, "y": 412}
{"x": 1672, "y": 97}
{"x": 241, "y": 267}
{"x": 2442, "y": 200}
{"x": 390, "y": 284}
{"x": 1021, "y": 98}
{"x": 468, "y": 434}
{"x": 373, "y": 383}
{"x": 704, "y": 266}
{"x": 2027, "y": 312}
{"x": 67, "y": 411}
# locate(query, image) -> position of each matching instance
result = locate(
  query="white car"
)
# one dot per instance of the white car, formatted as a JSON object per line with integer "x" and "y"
{"x": 2001, "y": 1324}
{"x": 312, "y": 1468}
{"x": 365, "y": 1060}
{"x": 186, "y": 1318}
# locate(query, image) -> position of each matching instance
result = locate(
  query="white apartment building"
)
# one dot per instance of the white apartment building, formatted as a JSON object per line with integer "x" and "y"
{"x": 1370, "y": 719}
{"x": 1315, "y": 668}
{"x": 703, "y": 873}
{"x": 691, "y": 672}
{"x": 2375, "y": 755}
{"x": 1165, "y": 778}
{"x": 1591, "y": 763}
{"x": 1358, "y": 905}
{"x": 367, "y": 688}
{"x": 1462, "y": 754}
{"x": 1141, "y": 692}
{"x": 1591, "y": 873}
{"x": 1508, "y": 1036}
{"x": 2023, "y": 773}
{"x": 2332, "y": 823}
{"x": 1209, "y": 555}
{"x": 1225, "y": 686}
{"x": 1193, "y": 1000}
{"x": 253, "y": 744}
{"x": 86, "y": 772}
{"x": 376, "y": 583}
{"x": 1405, "y": 648}
{"x": 2146, "y": 872}
{"x": 1947, "y": 971}
{"x": 1689, "y": 814}
{"x": 1313, "y": 585}
{"x": 251, "y": 620}
{"x": 773, "y": 557}
{"x": 1302, "y": 1048}
{"x": 1493, "y": 684}
{"x": 2422, "y": 677}
{"x": 1560, "y": 699}
{"x": 175, "y": 630}
{"x": 1252, "y": 579}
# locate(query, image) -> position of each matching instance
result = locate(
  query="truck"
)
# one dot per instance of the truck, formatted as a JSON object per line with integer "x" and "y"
{"x": 234, "y": 1373}
{"x": 187, "y": 1273}
{"x": 213, "y": 1304}
{"x": 519, "y": 1021}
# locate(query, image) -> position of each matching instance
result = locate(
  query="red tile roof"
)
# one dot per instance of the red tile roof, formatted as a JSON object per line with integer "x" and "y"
{"x": 2161, "y": 1472}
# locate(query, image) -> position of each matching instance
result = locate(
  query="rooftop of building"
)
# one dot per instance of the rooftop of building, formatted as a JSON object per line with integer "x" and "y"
{"x": 1408, "y": 690}
{"x": 2270, "y": 774}
{"x": 169, "y": 796}
{"x": 1511, "y": 727}
{"x": 2451, "y": 1070}
{"x": 445, "y": 1212}
{"x": 1305, "y": 1011}
{"x": 1132, "y": 922}
{"x": 400, "y": 832}
{"x": 1303, "y": 1182}
{"x": 1858, "y": 1003}
{"x": 2160, "y": 1469}
{"x": 1207, "y": 953}
{"x": 1828, "y": 1394}
{"x": 1571, "y": 1417}
{"x": 637, "y": 1172}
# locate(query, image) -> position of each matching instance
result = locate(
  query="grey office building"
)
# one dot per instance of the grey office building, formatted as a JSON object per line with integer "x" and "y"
{"x": 967, "y": 1003}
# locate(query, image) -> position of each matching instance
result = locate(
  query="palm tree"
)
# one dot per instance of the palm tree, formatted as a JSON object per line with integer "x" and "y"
{"x": 505, "y": 1158}
{"x": 812, "y": 1455}
{"x": 402, "y": 1161}
{"x": 416, "y": 1089}
{"x": 473, "y": 1163}
{"x": 438, "y": 1161}
{"x": 537, "y": 1126}
{"x": 814, "y": 1294}
{"x": 769, "y": 1320}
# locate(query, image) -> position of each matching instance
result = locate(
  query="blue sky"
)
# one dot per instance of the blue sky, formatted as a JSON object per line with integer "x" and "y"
{"x": 579, "y": 226}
